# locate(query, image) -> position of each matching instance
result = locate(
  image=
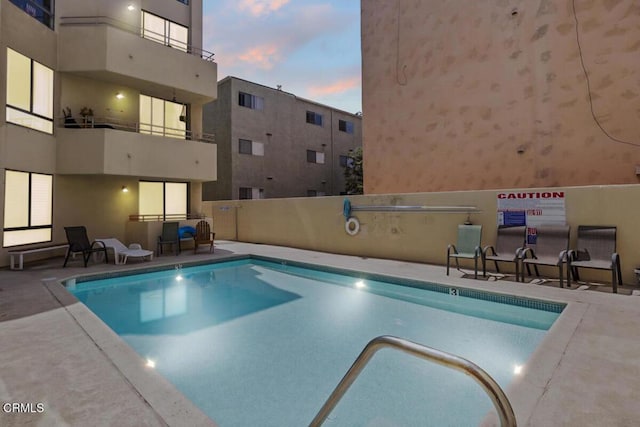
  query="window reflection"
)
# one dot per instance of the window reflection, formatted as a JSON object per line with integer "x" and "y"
{"x": 162, "y": 303}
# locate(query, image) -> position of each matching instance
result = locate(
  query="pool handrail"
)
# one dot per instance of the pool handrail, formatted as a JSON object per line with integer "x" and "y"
{"x": 490, "y": 386}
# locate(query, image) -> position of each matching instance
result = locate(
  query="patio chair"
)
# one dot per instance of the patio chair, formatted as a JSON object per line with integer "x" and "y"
{"x": 69, "y": 121}
{"x": 552, "y": 245}
{"x": 467, "y": 246}
{"x": 79, "y": 243}
{"x": 596, "y": 248}
{"x": 510, "y": 241}
{"x": 123, "y": 253}
{"x": 203, "y": 236}
{"x": 169, "y": 237}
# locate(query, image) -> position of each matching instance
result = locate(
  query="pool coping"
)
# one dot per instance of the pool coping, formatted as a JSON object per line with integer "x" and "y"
{"x": 524, "y": 392}
{"x": 168, "y": 403}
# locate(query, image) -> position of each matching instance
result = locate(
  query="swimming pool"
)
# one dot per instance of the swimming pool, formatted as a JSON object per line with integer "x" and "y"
{"x": 253, "y": 342}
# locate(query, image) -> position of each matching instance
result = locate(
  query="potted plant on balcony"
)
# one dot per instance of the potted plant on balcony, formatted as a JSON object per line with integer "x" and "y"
{"x": 86, "y": 112}
{"x": 87, "y": 116}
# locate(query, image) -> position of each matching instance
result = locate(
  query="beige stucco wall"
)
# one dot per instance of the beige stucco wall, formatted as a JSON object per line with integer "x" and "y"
{"x": 26, "y": 35}
{"x": 27, "y": 149}
{"x": 94, "y": 201}
{"x": 100, "y": 96}
{"x": 111, "y": 54}
{"x": 492, "y": 94}
{"x": 21, "y": 148}
{"x": 318, "y": 223}
{"x": 118, "y": 9}
{"x": 114, "y": 152}
{"x": 98, "y": 203}
{"x": 85, "y": 162}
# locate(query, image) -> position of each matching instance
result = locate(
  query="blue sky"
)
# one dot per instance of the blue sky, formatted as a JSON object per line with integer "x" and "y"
{"x": 310, "y": 47}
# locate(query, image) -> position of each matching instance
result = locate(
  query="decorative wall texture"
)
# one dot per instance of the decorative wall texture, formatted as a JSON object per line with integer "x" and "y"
{"x": 490, "y": 94}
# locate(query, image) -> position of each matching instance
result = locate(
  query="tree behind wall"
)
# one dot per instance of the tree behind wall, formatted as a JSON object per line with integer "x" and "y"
{"x": 353, "y": 173}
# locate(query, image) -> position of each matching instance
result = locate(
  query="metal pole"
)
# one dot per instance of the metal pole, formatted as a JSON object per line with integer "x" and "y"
{"x": 438, "y": 209}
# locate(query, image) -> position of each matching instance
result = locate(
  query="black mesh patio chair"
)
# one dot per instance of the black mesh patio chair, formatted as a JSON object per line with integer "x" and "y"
{"x": 552, "y": 246}
{"x": 79, "y": 243}
{"x": 169, "y": 237}
{"x": 510, "y": 241}
{"x": 596, "y": 248}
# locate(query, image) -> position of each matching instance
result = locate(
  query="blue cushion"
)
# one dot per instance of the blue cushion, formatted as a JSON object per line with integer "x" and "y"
{"x": 186, "y": 231}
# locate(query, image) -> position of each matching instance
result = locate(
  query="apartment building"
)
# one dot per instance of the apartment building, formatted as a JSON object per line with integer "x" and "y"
{"x": 500, "y": 94}
{"x": 102, "y": 122}
{"x": 272, "y": 143}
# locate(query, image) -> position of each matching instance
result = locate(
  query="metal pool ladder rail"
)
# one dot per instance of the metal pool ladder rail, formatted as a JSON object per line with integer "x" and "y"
{"x": 499, "y": 399}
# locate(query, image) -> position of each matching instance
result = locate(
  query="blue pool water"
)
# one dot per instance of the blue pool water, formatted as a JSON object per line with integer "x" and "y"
{"x": 256, "y": 343}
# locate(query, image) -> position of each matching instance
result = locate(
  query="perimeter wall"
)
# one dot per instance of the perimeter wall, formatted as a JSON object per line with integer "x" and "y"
{"x": 318, "y": 223}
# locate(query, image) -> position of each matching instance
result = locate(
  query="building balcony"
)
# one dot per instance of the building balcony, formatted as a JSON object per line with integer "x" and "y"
{"x": 104, "y": 49}
{"x": 106, "y": 147}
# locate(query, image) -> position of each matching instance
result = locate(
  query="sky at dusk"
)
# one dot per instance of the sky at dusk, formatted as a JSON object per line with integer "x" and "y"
{"x": 310, "y": 47}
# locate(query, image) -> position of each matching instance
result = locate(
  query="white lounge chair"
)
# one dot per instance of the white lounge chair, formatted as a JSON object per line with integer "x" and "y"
{"x": 122, "y": 253}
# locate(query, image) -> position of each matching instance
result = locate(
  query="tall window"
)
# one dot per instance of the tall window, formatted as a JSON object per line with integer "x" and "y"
{"x": 315, "y": 157}
{"x": 345, "y": 126}
{"x": 165, "y": 199}
{"x": 41, "y": 10}
{"x": 314, "y": 118}
{"x": 346, "y": 161}
{"x": 250, "y": 101}
{"x": 28, "y": 203}
{"x": 161, "y": 117}
{"x": 247, "y": 193}
{"x": 29, "y": 93}
{"x": 246, "y": 146}
{"x": 163, "y": 31}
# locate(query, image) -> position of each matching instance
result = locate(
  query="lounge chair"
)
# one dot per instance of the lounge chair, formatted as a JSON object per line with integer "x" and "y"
{"x": 169, "y": 236}
{"x": 552, "y": 245}
{"x": 510, "y": 241}
{"x": 596, "y": 248}
{"x": 122, "y": 253}
{"x": 467, "y": 246}
{"x": 79, "y": 243}
{"x": 203, "y": 236}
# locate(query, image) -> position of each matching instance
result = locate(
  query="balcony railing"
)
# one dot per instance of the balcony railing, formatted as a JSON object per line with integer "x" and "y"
{"x": 164, "y": 217}
{"x": 92, "y": 122}
{"x": 105, "y": 20}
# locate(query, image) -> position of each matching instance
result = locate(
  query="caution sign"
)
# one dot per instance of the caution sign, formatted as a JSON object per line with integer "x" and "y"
{"x": 531, "y": 208}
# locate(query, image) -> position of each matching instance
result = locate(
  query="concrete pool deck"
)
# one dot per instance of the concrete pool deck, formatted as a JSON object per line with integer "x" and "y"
{"x": 56, "y": 352}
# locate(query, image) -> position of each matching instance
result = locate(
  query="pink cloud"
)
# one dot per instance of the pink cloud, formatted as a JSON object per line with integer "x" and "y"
{"x": 261, "y": 56}
{"x": 261, "y": 7}
{"x": 340, "y": 86}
